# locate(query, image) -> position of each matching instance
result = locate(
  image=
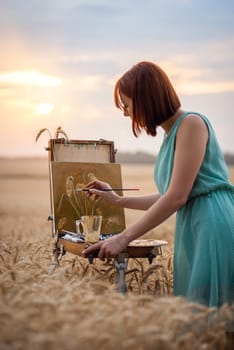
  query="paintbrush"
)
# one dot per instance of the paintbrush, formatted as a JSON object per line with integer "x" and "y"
{"x": 106, "y": 189}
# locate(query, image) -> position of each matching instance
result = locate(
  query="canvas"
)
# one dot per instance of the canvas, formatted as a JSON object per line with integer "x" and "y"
{"x": 68, "y": 204}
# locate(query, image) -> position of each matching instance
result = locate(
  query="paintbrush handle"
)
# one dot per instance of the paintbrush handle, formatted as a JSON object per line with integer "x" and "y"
{"x": 119, "y": 189}
{"x": 108, "y": 189}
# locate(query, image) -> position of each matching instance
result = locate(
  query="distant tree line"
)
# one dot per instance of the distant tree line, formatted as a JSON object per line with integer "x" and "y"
{"x": 146, "y": 158}
{"x": 229, "y": 158}
{"x": 134, "y": 158}
{"x": 125, "y": 157}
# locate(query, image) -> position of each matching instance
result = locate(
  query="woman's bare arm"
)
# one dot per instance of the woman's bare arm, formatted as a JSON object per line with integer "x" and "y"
{"x": 143, "y": 202}
{"x": 139, "y": 202}
{"x": 190, "y": 149}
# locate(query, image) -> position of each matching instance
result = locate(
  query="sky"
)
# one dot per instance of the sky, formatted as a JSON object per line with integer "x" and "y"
{"x": 60, "y": 59}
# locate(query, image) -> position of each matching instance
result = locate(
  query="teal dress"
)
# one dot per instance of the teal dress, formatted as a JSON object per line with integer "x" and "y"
{"x": 204, "y": 233}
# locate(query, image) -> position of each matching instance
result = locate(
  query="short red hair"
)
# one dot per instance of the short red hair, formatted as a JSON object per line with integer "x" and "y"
{"x": 154, "y": 99}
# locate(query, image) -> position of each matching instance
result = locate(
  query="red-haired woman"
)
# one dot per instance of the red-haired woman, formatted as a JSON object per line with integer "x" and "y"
{"x": 192, "y": 179}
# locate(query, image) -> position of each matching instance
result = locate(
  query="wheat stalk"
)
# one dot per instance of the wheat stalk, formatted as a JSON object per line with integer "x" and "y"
{"x": 41, "y": 132}
{"x": 60, "y": 131}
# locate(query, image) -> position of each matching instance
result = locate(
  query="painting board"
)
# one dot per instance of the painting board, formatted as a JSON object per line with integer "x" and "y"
{"x": 68, "y": 204}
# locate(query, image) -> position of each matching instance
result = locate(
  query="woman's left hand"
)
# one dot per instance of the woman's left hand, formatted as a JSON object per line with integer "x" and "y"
{"x": 108, "y": 248}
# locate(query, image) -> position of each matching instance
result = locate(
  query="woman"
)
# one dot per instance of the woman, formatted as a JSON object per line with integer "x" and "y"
{"x": 192, "y": 179}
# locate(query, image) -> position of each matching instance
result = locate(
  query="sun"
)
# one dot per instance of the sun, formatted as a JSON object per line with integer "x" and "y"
{"x": 44, "y": 108}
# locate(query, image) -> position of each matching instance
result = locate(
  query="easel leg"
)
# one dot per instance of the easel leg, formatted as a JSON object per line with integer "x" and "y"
{"x": 56, "y": 257}
{"x": 121, "y": 263}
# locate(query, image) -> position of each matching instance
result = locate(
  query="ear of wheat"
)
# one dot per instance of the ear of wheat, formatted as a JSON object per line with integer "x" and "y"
{"x": 60, "y": 131}
{"x": 41, "y": 132}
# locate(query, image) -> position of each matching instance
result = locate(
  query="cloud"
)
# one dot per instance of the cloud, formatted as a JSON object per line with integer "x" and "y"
{"x": 29, "y": 78}
{"x": 88, "y": 83}
{"x": 200, "y": 87}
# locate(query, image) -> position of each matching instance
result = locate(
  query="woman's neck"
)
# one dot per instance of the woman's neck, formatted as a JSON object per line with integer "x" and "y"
{"x": 167, "y": 125}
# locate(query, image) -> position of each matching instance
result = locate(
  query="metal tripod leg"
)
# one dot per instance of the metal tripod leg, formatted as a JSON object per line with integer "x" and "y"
{"x": 121, "y": 263}
{"x": 56, "y": 255}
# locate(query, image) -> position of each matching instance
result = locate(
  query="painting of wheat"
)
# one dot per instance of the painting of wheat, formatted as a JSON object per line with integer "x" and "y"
{"x": 70, "y": 202}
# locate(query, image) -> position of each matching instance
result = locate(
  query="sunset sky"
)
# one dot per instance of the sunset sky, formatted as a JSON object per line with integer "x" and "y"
{"x": 59, "y": 60}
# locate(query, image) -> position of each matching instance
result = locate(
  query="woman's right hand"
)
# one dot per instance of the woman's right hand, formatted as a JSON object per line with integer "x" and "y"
{"x": 97, "y": 190}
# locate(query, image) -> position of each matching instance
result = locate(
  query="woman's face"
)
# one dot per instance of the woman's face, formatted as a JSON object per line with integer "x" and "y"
{"x": 127, "y": 105}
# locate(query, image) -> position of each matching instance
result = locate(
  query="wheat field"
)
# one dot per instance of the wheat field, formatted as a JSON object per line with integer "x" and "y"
{"x": 78, "y": 306}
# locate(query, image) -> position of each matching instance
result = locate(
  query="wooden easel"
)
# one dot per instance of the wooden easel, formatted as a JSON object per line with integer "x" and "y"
{"x": 77, "y": 152}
